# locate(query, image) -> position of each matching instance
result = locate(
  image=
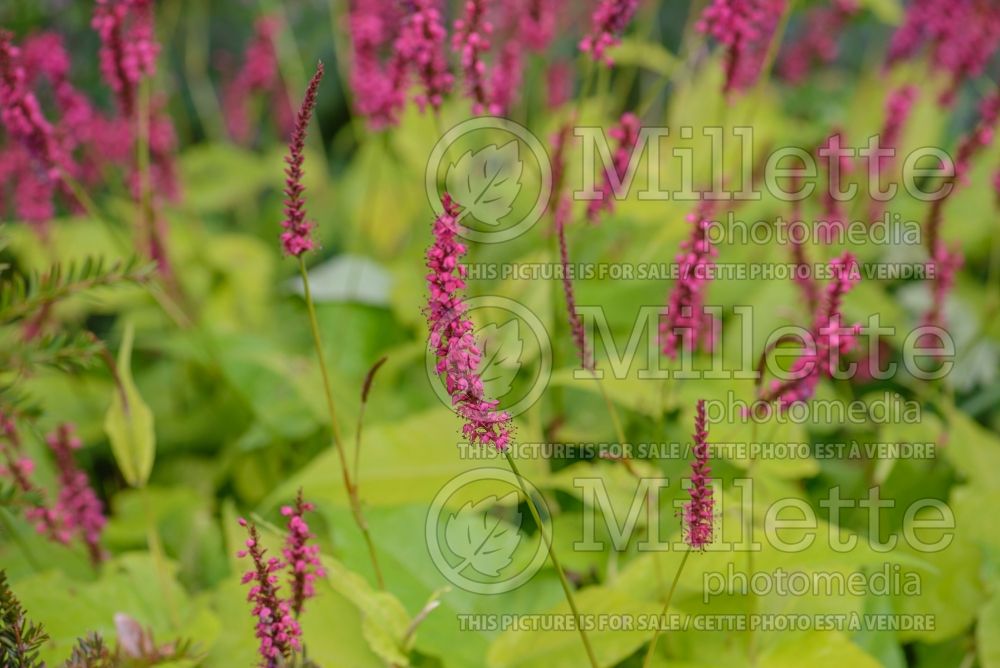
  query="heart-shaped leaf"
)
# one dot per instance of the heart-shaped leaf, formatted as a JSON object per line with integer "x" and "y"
{"x": 487, "y": 182}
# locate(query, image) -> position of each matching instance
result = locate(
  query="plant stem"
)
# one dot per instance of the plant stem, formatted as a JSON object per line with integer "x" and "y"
{"x": 338, "y": 441}
{"x": 555, "y": 560}
{"x": 666, "y": 607}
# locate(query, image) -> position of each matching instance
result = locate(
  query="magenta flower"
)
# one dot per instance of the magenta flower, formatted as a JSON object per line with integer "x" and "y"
{"x": 829, "y": 340}
{"x": 128, "y": 46}
{"x": 537, "y": 22}
{"x": 505, "y": 81}
{"x": 607, "y": 24}
{"x": 421, "y": 45}
{"x": 833, "y": 209}
{"x": 378, "y": 84}
{"x": 818, "y": 43}
{"x": 699, "y": 519}
{"x": 962, "y": 36}
{"x": 297, "y": 237}
{"x": 301, "y": 557}
{"x": 471, "y": 40}
{"x": 77, "y": 505}
{"x": 22, "y": 114}
{"x": 745, "y": 28}
{"x": 898, "y": 107}
{"x": 20, "y": 468}
{"x": 259, "y": 75}
{"x": 945, "y": 265}
{"x": 627, "y": 135}
{"x": 685, "y": 323}
{"x": 451, "y": 336}
{"x": 276, "y": 629}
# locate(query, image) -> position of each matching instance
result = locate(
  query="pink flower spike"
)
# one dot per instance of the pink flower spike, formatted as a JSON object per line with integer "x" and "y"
{"x": 128, "y": 46}
{"x": 685, "y": 323}
{"x": 421, "y": 45}
{"x": 276, "y": 629}
{"x": 607, "y": 24}
{"x": 627, "y": 135}
{"x": 259, "y": 74}
{"x": 301, "y": 557}
{"x": 297, "y": 237}
{"x": 378, "y": 87}
{"x": 471, "y": 40}
{"x": 451, "y": 336}
{"x": 77, "y": 504}
{"x": 699, "y": 518}
{"x": 745, "y": 28}
{"x": 576, "y": 324}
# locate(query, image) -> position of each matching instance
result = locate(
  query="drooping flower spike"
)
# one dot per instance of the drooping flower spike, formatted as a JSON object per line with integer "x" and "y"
{"x": 297, "y": 237}
{"x": 452, "y": 339}
{"x": 699, "y": 517}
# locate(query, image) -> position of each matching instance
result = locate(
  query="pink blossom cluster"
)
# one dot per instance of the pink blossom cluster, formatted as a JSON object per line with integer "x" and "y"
{"x": 699, "y": 512}
{"x": 685, "y": 323}
{"x": 22, "y": 115}
{"x": 128, "y": 46}
{"x": 471, "y": 40}
{"x": 537, "y": 22}
{"x": 297, "y": 236}
{"x": 818, "y": 44}
{"x": 626, "y": 133}
{"x": 608, "y": 23}
{"x": 829, "y": 339}
{"x": 77, "y": 512}
{"x": 745, "y": 28}
{"x": 277, "y": 629}
{"x": 452, "y": 339}
{"x": 421, "y": 45}
{"x": 980, "y": 138}
{"x": 301, "y": 556}
{"x": 961, "y": 35}
{"x": 378, "y": 82}
{"x": 259, "y": 75}
{"x": 77, "y": 505}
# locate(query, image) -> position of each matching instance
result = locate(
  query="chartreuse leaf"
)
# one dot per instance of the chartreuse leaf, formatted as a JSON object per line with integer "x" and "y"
{"x": 563, "y": 648}
{"x": 129, "y": 421}
{"x": 818, "y": 650}
{"x": 384, "y": 619}
{"x": 988, "y": 633}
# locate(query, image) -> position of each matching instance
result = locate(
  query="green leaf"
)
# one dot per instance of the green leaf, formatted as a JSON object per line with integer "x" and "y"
{"x": 818, "y": 650}
{"x": 988, "y": 634}
{"x": 129, "y": 422}
{"x": 648, "y": 55}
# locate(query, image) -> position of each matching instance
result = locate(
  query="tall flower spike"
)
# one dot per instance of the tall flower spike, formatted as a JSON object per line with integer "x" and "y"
{"x": 627, "y": 135}
{"x": 421, "y": 44}
{"x": 301, "y": 557}
{"x": 898, "y": 107}
{"x": 471, "y": 40}
{"x": 128, "y": 46}
{"x": 451, "y": 336}
{"x": 562, "y": 214}
{"x": 259, "y": 74}
{"x": 77, "y": 504}
{"x": 297, "y": 237}
{"x": 945, "y": 265}
{"x": 829, "y": 339}
{"x": 745, "y": 28}
{"x": 818, "y": 43}
{"x": 699, "y": 511}
{"x": 276, "y": 629}
{"x": 607, "y": 24}
{"x": 378, "y": 87}
{"x": 537, "y": 22}
{"x": 685, "y": 323}
{"x": 19, "y": 468}
{"x": 833, "y": 208}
